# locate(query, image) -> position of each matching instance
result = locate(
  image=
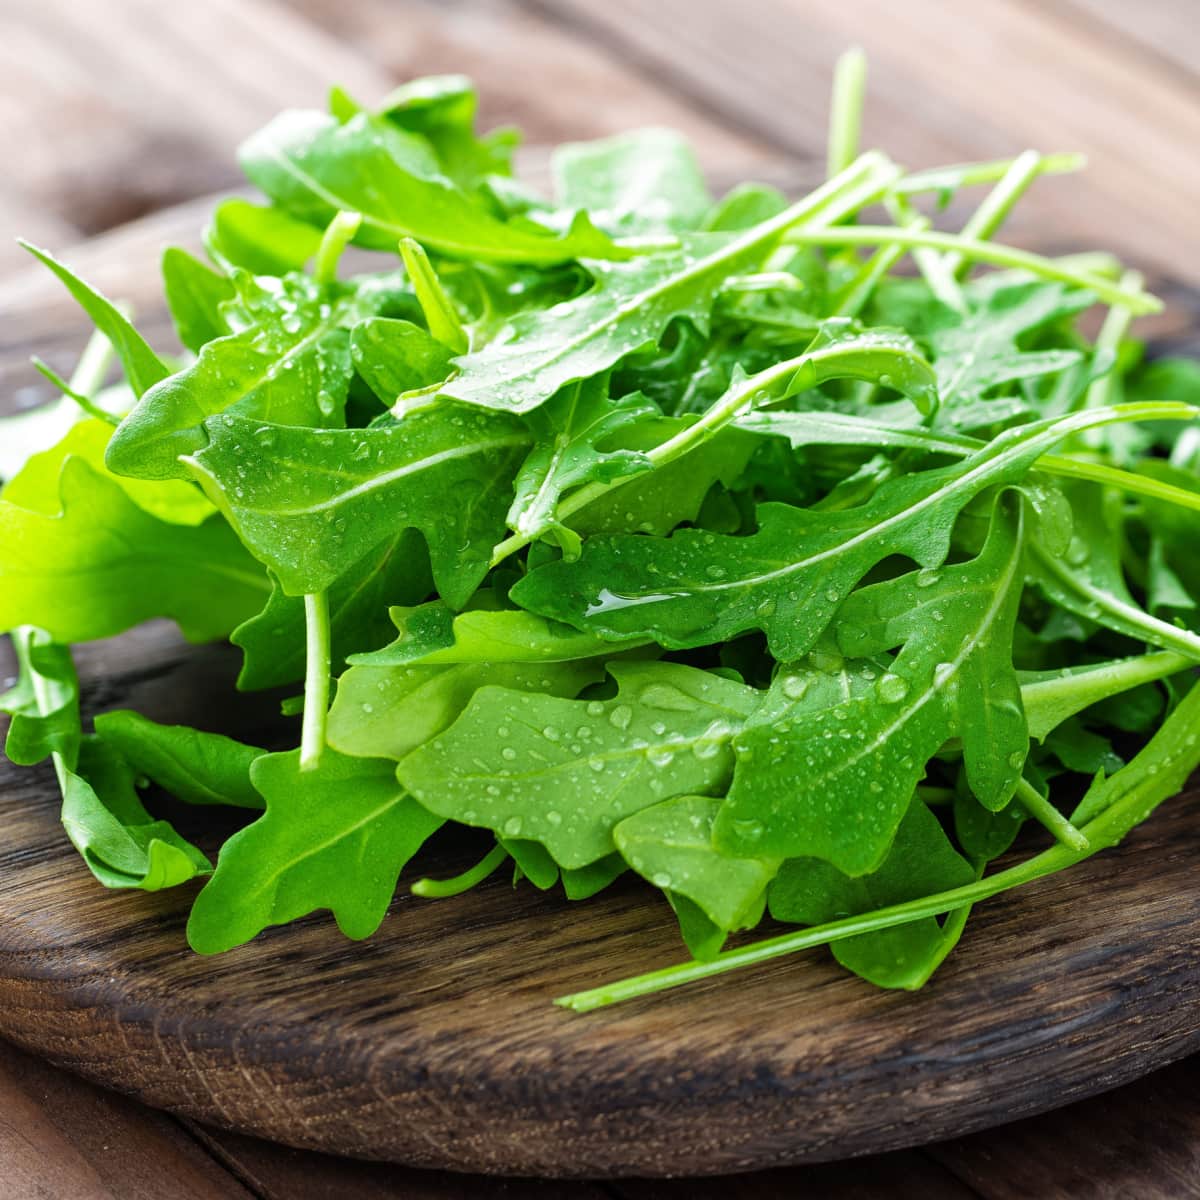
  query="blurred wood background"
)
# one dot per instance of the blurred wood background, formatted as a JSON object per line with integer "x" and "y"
{"x": 118, "y": 118}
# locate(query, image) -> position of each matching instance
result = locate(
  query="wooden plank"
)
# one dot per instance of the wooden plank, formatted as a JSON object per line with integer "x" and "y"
{"x": 1142, "y": 1141}
{"x": 279, "y": 1173}
{"x": 881, "y": 1177}
{"x": 64, "y": 1139}
{"x": 530, "y": 72}
{"x": 112, "y": 111}
{"x": 991, "y": 85}
{"x": 1167, "y": 29}
{"x": 436, "y": 1044}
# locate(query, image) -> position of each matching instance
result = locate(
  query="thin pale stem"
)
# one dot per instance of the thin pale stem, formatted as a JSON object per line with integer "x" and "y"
{"x": 1046, "y": 815}
{"x": 950, "y": 179}
{"x": 1139, "y": 303}
{"x": 845, "y": 113}
{"x": 316, "y": 679}
{"x": 338, "y": 235}
{"x": 994, "y": 210}
{"x": 1112, "y": 334}
{"x": 440, "y": 889}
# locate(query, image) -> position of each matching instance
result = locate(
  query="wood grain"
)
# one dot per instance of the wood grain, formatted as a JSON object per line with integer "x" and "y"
{"x": 1139, "y": 1143}
{"x": 435, "y": 1043}
{"x": 64, "y": 1139}
{"x": 1011, "y": 75}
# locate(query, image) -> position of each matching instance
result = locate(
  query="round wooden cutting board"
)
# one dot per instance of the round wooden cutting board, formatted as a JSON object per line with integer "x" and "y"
{"x": 435, "y": 1042}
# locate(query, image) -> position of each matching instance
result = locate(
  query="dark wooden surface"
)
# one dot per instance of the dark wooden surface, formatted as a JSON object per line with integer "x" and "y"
{"x": 113, "y": 111}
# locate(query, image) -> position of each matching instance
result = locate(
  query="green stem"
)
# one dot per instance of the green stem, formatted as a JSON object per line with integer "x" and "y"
{"x": 24, "y": 637}
{"x": 316, "y": 679}
{"x": 845, "y": 113}
{"x": 338, "y": 235}
{"x": 440, "y": 889}
{"x": 931, "y": 264}
{"x": 1112, "y": 334}
{"x": 1116, "y": 477}
{"x": 73, "y": 394}
{"x": 1156, "y": 774}
{"x": 1051, "y": 698}
{"x": 863, "y": 286}
{"x": 1093, "y": 602}
{"x": 950, "y": 179}
{"x": 994, "y": 210}
{"x": 1139, "y": 303}
{"x": 1046, "y": 815}
{"x": 440, "y": 315}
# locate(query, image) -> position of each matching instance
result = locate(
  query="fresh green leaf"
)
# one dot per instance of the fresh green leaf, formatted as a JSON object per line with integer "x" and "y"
{"x": 570, "y": 431}
{"x": 643, "y": 182}
{"x": 261, "y": 240}
{"x": 199, "y": 768}
{"x": 670, "y": 844}
{"x": 143, "y": 368}
{"x": 195, "y": 294}
{"x": 564, "y": 772}
{"x": 101, "y": 565}
{"x": 787, "y": 579}
{"x": 122, "y": 845}
{"x": 272, "y": 642}
{"x": 288, "y": 364}
{"x": 387, "y": 712}
{"x": 395, "y": 357}
{"x": 312, "y": 166}
{"x": 922, "y": 861}
{"x": 332, "y": 497}
{"x": 336, "y": 838}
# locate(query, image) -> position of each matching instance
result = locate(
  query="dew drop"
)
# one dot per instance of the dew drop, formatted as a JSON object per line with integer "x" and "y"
{"x": 621, "y": 716}
{"x": 891, "y": 689}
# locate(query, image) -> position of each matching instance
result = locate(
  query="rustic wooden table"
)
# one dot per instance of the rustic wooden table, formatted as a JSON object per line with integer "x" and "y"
{"x": 118, "y": 116}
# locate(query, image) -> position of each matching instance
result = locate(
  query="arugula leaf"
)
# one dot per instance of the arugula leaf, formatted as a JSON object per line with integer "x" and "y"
{"x": 433, "y": 634}
{"x": 672, "y": 494}
{"x": 199, "y": 768}
{"x": 787, "y": 579}
{"x": 287, "y": 363}
{"x": 1089, "y": 579}
{"x": 336, "y": 837}
{"x": 395, "y": 357}
{"x": 312, "y": 166}
{"x": 195, "y": 294}
{"x": 272, "y": 642}
{"x": 921, "y": 861}
{"x": 833, "y": 781}
{"x": 143, "y": 368}
{"x": 333, "y": 496}
{"x": 979, "y": 350}
{"x": 43, "y": 703}
{"x": 569, "y": 431}
{"x": 262, "y": 240}
{"x": 101, "y": 565}
{"x": 387, "y": 712}
{"x": 36, "y": 487}
{"x": 122, "y": 845}
{"x": 644, "y": 182}
{"x": 670, "y": 844}
{"x": 564, "y": 772}
{"x": 442, "y": 109}
{"x": 630, "y": 305}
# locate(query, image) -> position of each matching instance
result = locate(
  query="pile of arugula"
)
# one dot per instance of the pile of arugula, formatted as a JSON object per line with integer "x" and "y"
{"x": 644, "y": 532}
